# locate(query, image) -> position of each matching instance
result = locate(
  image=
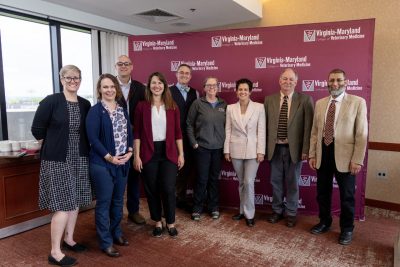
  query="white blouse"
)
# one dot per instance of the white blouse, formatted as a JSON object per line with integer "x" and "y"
{"x": 159, "y": 123}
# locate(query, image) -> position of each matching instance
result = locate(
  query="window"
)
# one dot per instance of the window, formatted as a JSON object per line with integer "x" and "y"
{"x": 76, "y": 49}
{"x": 30, "y": 66}
{"x": 27, "y": 72}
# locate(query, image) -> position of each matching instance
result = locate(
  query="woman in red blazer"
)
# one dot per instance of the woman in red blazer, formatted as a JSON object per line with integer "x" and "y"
{"x": 158, "y": 150}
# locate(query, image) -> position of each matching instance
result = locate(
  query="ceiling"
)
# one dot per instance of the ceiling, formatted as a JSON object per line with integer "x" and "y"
{"x": 185, "y": 15}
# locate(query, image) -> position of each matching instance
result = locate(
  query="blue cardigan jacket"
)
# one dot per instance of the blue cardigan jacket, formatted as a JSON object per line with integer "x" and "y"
{"x": 101, "y": 138}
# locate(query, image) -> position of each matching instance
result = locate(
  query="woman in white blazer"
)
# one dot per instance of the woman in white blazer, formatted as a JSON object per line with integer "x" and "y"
{"x": 245, "y": 145}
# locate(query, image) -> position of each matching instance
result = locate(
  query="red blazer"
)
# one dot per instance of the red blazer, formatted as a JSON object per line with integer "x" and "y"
{"x": 142, "y": 130}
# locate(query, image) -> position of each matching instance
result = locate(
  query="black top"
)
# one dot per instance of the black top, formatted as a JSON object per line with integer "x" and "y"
{"x": 51, "y": 123}
{"x": 135, "y": 95}
{"x": 183, "y": 105}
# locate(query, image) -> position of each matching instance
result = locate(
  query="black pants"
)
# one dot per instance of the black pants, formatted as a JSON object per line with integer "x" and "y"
{"x": 159, "y": 177}
{"x": 346, "y": 183}
{"x": 186, "y": 174}
{"x": 133, "y": 190}
{"x": 208, "y": 169}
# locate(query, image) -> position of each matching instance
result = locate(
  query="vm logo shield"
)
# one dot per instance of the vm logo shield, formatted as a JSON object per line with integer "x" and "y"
{"x": 175, "y": 65}
{"x": 304, "y": 180}
{"x": 137, "y": 46}
{"x": 258, "y": 199}
{"x": 216, "y": 41}
{"x": 261, "y": 62}
{"x": 308, "y": 85}
{"x": 309, "y": 36}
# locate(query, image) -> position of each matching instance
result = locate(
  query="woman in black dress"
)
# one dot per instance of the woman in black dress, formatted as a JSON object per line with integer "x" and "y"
{"x": 64, "y": 185}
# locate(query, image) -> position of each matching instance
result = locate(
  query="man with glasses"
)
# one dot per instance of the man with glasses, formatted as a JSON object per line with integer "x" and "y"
{"x": 289, "y": 116}
{"x": 133, "y": 92}
{"x": 337, "y": 148}
{"x": 184, "y": 96}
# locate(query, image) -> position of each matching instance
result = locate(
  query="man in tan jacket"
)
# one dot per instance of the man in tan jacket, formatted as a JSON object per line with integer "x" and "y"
{"x": 337, "y": 148}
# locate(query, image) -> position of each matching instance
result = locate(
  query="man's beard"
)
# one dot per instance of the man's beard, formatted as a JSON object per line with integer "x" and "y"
{"x": 338, "y": 92}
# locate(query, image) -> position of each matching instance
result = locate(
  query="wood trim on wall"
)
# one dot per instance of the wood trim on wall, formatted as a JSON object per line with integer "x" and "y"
{"x": 382, "y": 204}
{"x": 384, "y": 146}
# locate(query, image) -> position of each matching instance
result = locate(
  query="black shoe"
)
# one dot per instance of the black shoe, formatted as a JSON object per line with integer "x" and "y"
{"x": 238, "y": 217}
{"x": 291, "y": 221}
{"x": 157, "y": 232}
{"x": 274, "y": 217}
{"x": 250, "y": 222}
{"x": 121, "y": 241}
{"x": 111, "y": 252}
{"x": 172, "y": 232}
{"x": 345, "y": 238}
{"x": 320, "y": 228}
{"x": 75, "y": 248}
{"x": 66, "y": 261}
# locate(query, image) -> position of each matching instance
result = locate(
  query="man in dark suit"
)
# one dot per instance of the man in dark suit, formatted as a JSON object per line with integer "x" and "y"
{"x": 133, "y": 92}
{"x": 337, "y": 148}
{"x": 289, "y": 116}
{"x": 184, "y": 96}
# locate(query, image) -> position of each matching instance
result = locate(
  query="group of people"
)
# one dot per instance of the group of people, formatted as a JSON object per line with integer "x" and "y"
{"x": 166, "y": 135}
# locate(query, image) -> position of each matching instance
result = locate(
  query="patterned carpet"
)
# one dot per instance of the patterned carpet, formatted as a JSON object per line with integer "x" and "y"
{"x": 223, "y": 242}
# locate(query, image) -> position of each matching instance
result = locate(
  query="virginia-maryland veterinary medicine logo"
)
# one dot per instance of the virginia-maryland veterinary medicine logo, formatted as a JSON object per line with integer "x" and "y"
{"x": 137, "y": 46}
{"x": 258, "y": 199}
{"x": 308, "y": 85}
{"x": 216, "y": 41}
{"x": 261, "y": 62}
{"x": 309, "y": 36}
{"x": 305, "y": 180}
{"x": 175, "y": 65}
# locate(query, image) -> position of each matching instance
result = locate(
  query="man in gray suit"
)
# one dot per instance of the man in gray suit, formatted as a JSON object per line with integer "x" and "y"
{"x": 337, "y": 148}
{"x": 289, "y": 116}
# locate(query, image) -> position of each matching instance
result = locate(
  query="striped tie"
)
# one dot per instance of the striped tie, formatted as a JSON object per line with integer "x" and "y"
{"x": 330, "y": 119}
{"x": 283, "y": 119}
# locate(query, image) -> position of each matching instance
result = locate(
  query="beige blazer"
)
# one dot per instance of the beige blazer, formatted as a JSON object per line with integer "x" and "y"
{"x": 351, "y": 130}
{"x": 245, "y": 138}
{"x": 299, "y": 124}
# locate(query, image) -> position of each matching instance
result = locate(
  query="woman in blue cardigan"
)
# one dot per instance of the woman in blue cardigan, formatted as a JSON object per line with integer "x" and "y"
{"x": 110, "y": 137}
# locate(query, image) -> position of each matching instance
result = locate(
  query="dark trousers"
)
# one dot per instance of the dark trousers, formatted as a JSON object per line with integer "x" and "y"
{"x": 185, "y": 174}
{"x": 109, "y": 192}
{"x": 159, "y": 177}
{"x": 206, "y": 186}
{"x": 133, "y": 190}
{"x": 346, "y": 183}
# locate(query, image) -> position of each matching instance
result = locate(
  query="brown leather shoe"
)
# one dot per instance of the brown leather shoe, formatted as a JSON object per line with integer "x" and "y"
{"x": 137, "y": 218}
{"x": 291, "y": 221}
{"x": 111, "y": 252}
{"x": 121, "y": 241}
{"x": 274, "y": 217}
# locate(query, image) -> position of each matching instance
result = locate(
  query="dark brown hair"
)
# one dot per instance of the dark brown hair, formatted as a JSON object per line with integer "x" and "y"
{"x": 337, "y": 71}
{"x": 166, "y": 96}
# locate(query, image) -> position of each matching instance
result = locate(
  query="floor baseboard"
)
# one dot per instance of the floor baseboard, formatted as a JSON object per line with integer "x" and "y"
{"x": 382, "y": 204}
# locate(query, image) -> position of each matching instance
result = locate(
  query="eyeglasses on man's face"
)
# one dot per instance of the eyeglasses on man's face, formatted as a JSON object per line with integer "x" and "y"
{"x": 69, "y": 79}
{"x": 338, "y": 80}
{"x": 209, "y": 85}
{"x": 126, "y": 64}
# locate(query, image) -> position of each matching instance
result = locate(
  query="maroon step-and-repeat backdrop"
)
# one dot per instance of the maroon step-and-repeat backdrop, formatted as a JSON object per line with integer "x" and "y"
{"x": 261, "y": 54}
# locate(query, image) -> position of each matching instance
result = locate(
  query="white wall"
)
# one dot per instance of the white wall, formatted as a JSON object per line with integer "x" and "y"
{"x": 73, "y": 16}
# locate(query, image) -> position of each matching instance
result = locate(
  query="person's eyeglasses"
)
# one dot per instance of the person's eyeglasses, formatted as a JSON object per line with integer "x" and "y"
{"x": 211, "y": 85}
{"x": 337, "y": 80}
{"x": 184, "y": 73}
{"x": 126, "y": 64}
{"x": 69, "y": 79}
